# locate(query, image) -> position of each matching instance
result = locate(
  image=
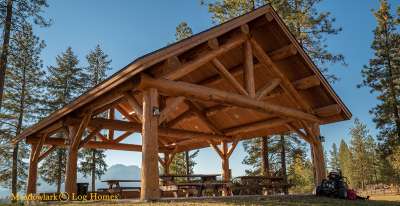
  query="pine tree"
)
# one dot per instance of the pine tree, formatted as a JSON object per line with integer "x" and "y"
{"x": 300, "y": 173}
{"x": 15, "y": 14}
{"x": 394, "y": 161}
{"x": 334, "y": 161}
{"x": 361, "y": 161}
{"x": 345, "y": 161}
{"x": 22, "y": 86}
{"x": 307, "y": 24}
{"x": 183, "y": 31}
{"x": 253, "y": 156}
{"x": 64, "y": 83}
{"x": 93, "y": 160}
{"x": 382, "y": 76}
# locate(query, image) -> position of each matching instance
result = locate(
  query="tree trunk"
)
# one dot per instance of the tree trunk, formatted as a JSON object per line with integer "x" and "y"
{"x": 283, "y": 162}
{"x": 93, "y": 170}
{"x": 392, "y": 88}
{"x": 59, "y": 171}
{"x": 187, "y": 164}
{"x": 14, "y": 171}
{"x": 4, "y": 49}
{"x": 264, "y": 156}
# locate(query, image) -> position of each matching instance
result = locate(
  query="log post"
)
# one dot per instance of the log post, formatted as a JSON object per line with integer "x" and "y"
{"x": 32, "y": 175}
{"x": 226, "y": 174}
{"x": 72, "y": 162}
{"x": 249, "y": 69}
{"x": 149, "y": 172}
{"x": 264, "y": 156}
{"x": 318, "y": 157}
{"x": 75, "y": 137}
{"x": 33, "y": 165}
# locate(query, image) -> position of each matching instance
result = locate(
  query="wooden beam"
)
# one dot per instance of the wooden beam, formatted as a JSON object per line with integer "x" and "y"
{"x": 228, "y": 77}
{"x": 267, "y": 88}
{"x": 89, "y": 137}
{"x": 327, "y": 111}
{"x": 202, "y": 116}
{"x": 111, "y": 115}
{"x": 175, "y": 88}
{"x": 149, "y": 170}
{"x": 249, "y": 69}
{"x": 216, "y": 149}
{"x": 125, "y": 113}
{"x": 213, "y": 43}
{"x": 189, "y": 67}
{"x": 171, "y": 106}
{"x": 307, "y": 82}
{"x": 264, "y": 124}
{"x": 122, "y": 137}
{"x": 292, "y": 128}
{"x": 135, "y": 127}
{"x": 32, "y": 174}
{"x": 184, "y": 115}
{"x": 45, "y": 154}
{"x": 286, "y": 84}
{"x": 283, "y": 52}
{"x": 60, "y": 142}
{"x": 134, "y": 104}
{"x": 231, "y": 149}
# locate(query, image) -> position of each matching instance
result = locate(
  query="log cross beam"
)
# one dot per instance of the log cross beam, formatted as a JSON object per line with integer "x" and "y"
{"x": 45, "y": 154}
{"x": 178, "y": 88}
{"x": 265, "y": 59}
{"x": 203, "y": 117}
{"x": 191, "y": 66}
{"x": 134, "y": 104}
{"x": 169, "y": 108}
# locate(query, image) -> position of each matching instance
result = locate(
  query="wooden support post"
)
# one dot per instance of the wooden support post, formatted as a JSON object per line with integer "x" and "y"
{"x": 318, "y": 157}
{"x": 226, "y": 174}
{"x": 72, "y": 161}
{"x": 249, "y": 69}
{"x": 32, "y": 175}
{"x": 75, "y": 137}
{"x": 111, "y": 115}
{"x": 149, "y": 171}
{"x": 33, "y": 165}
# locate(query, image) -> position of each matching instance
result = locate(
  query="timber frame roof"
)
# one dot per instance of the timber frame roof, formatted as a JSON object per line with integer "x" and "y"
{"x": 288, "y": 92}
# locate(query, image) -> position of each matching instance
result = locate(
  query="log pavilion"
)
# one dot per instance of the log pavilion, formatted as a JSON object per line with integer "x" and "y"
{"x": 246, "y": 78}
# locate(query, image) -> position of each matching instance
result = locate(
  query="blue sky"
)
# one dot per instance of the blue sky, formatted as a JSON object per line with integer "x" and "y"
{"x": 127, "y": 29}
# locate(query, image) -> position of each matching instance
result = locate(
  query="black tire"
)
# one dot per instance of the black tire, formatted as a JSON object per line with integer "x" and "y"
{"x": 342, "y": 193}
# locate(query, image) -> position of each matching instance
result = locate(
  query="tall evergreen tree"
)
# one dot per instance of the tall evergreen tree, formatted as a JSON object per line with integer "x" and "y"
{"x": 23, "y": 84}
{"x": 301, "y": 173}
{"x": 15, "y": 14}
{"x": 93, "y": 160}
{"x": 253, "y": 149}
{"x": 361, "y": 161}
{"x": 64, "y": 83}
{"x": 308, "y": 25}
{"x": 345, "y": 161}
{"x": 334, "y": 158}
{"x": 382, "y": 76}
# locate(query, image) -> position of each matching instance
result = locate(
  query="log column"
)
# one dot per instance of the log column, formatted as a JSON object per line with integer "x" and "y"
{"x": 33, "y": 165}
{"x": 318, "y": 156}
{"x": 72, "y": 163}
{"x": 149, "y": 171}
{"x": 225, "y": 163}
{"x": 32, "y": 176}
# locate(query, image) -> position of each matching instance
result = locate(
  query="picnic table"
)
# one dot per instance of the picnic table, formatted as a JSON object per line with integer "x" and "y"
{"x": 114, "y": 186}
{"x": 250, "y": 185}
{"x": 194, "y": 183}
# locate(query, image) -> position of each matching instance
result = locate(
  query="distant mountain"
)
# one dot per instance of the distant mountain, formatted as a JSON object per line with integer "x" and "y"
{"x": 118, "y": 171}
